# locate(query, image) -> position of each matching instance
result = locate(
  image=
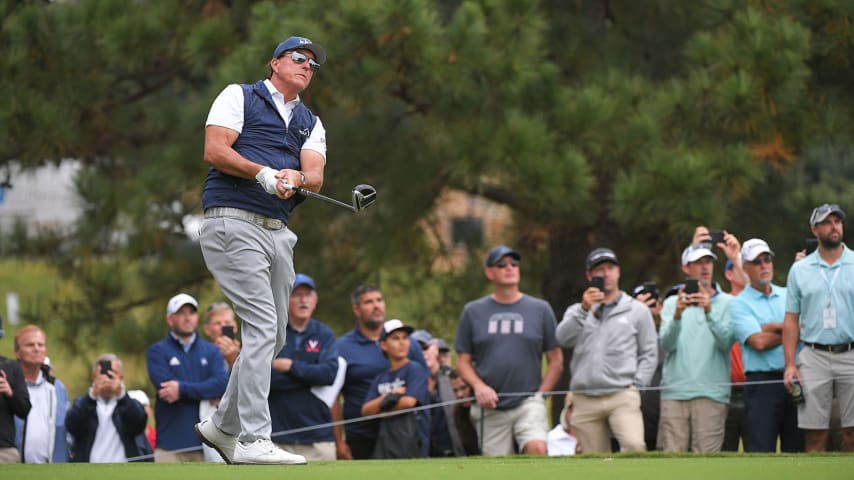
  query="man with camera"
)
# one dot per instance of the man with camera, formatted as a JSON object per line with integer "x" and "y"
{"x": 695, "y": 337}
{"x": 819, "y": 313}
{"x": 221, "y": 328}
{"x": 614, "y": 352}
{"x": 106, "y": 424}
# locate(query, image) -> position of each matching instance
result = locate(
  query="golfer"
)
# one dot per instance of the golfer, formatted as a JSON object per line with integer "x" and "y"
{"x": 260, "y": 140}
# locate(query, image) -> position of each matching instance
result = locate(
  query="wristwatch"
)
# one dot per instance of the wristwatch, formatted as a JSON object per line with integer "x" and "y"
{"x": 302, "y": 178}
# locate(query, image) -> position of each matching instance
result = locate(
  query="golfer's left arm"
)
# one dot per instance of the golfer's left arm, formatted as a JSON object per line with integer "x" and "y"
{"x": 312, "y": 163}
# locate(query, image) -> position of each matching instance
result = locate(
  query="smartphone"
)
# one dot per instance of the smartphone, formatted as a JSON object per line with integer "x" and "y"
{"x": 717, "y": 236}
{"x": 106, "y": 366}
{"x": 228, "y": 331}
{"x": 598, "y": 282}
{"x": 810, "y": 244}
{"x": 691, "y": 286}
{"x": 652, "y": 289}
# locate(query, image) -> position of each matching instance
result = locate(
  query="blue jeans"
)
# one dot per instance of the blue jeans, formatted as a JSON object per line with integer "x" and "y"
{"x": 770, "y": 413}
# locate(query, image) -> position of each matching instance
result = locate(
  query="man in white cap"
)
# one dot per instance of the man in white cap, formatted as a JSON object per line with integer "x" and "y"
{"x": 184, "y": 370}
{"x": 756, "y": 318}
{"x": 820, "y": 313}
{"x": 696, "y": 340}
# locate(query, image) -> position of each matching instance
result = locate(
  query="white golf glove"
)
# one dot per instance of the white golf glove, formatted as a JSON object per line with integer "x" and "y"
{"x": 267, "y": 178}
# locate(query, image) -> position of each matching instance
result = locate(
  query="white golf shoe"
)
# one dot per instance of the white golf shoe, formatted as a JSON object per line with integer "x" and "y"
{"x": 265, "y": 452}
{"x": 215, "y": 438}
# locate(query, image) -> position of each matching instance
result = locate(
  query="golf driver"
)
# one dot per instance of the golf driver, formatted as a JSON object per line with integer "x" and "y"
{"x": 363, "y": 197}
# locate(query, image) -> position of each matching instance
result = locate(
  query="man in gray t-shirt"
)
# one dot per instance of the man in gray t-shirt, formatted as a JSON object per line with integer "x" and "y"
{"x": 501, "y": 339}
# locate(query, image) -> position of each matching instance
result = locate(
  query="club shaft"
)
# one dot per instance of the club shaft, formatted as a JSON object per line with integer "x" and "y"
{"x": 318, "y": 196}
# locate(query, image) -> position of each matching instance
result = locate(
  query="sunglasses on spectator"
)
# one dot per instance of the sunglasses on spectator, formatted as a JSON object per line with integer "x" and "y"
{"x": 513, "y": 263}
{"x": 300, "y": 58}
{"x": 761, "y": 260}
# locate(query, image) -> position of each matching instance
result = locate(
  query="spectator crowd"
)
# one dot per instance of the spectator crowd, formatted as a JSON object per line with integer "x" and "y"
{"x": 691, "y": 368}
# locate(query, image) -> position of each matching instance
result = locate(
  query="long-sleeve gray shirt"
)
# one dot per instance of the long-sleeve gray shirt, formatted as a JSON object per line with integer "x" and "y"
{"x": 610, "y": 353}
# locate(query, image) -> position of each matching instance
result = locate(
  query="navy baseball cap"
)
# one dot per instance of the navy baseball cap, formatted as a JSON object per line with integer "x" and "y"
{"x": 423, "y": 337}
{"x": 600, "y": 255}
{"x": 303, "y": 279}
{"x": 496, "y": 254}
{"x": 295, "y": 43}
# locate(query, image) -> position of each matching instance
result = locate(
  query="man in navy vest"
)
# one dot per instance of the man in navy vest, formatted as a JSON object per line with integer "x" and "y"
{"x": 260, "y": 140}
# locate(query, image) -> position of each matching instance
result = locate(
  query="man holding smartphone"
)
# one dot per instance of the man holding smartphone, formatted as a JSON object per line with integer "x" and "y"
{"x": 615, "y": 351}
{"x": 696, "y": 339}
{"x": 221, "y": 328}
{"x": 107, "y": 425}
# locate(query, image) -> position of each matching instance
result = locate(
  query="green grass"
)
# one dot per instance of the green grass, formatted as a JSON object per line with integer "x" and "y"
{"x": 653, "y": 466}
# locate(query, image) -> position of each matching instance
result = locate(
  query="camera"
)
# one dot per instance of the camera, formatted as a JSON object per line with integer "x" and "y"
{"x": 717, "y": 236}
{"x": 228, "y": 331}
{"x": 691, "y": 286}
{"x": 598, "y": 282}
{"x": 106, "y": 366}
{"x": 647, "y": 287}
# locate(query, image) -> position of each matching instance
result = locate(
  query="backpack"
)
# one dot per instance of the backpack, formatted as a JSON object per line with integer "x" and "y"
{"x": 398, "y": 437}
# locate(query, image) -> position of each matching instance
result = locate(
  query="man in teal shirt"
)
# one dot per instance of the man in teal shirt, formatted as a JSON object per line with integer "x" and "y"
{"x": 756, "y": 316}
{"x": 820, "y": 312}
{"x": 695, "y": 337}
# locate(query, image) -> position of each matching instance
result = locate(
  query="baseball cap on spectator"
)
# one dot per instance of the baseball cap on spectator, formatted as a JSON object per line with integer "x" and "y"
{"x": 821, "y": 212}
{"x": 496, "y": 254}
{"x": 303, "y": 279}
{"x": 178, "y": 301}
{"x": 139, "y": 396}
{"x": 694, "y": 252}
{"x": 423, "y": 337}
{"x": 443, "y": 345}
{"x": 294, "y": 43}
{"x": 600, "y": 255}
{"x": 753, "y": 248}
{"x": 392, "y": 326}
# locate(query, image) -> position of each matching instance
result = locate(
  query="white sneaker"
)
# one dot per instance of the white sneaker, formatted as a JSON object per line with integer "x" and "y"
{"x": 215, "y": 438}
{"x": 265, "y": 452}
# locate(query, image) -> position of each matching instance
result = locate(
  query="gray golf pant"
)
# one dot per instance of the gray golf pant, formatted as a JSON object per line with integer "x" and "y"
{"x": 254, "y": 268}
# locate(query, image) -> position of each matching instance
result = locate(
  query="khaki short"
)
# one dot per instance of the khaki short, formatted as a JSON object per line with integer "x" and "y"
{"x": 695, "y": 425}
{"x": 822, "y": 373}
{"x": 500, "y": 428}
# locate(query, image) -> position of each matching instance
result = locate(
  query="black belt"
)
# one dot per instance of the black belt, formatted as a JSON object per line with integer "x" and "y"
{"x": 256, "y": 218}
{"x": 840, "y": 348}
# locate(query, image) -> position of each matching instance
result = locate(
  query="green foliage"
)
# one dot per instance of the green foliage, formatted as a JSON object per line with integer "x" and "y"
{"x": 616, "y": 123}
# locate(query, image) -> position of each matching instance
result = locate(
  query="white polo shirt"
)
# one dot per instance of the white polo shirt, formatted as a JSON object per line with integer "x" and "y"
{"x": 37, "y": 439}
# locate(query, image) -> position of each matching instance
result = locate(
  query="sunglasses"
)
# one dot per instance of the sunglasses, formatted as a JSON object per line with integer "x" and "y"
{"x": 761, "y": 260}
{"x": 512, "y": 263}
{"x": 300, "y": 58}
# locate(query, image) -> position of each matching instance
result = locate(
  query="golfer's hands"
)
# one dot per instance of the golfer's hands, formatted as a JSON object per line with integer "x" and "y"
{"x": 282, "y": 183}
{"x": 486, "y": 396}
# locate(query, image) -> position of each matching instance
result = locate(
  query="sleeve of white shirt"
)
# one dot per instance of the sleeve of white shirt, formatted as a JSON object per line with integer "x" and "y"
{"x": 317, "y": 140}
{"x": 227, "y": 109}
